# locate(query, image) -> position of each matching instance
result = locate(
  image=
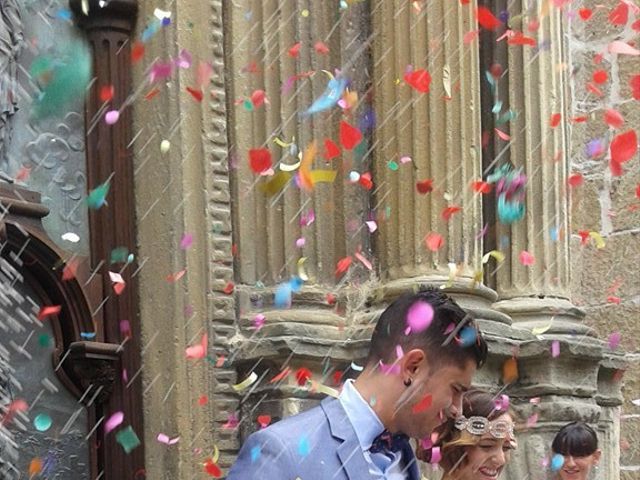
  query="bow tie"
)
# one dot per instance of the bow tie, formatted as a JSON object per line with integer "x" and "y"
{"x": 388, "y": 442}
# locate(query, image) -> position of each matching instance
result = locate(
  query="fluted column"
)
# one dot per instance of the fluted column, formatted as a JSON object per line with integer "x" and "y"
{"x": 440, "y": 132}
{"x": 535, "y": 87}
{"x": 287, "y": 54}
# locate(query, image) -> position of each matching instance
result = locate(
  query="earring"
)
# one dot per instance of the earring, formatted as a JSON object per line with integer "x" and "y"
{"x": 407, "y": 382}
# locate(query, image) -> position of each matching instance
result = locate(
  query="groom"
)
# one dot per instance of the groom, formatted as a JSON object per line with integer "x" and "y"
{"x": 424, "y": 352}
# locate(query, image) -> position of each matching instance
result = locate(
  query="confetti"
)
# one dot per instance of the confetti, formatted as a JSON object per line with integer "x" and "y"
{"x": 526, "y": 258}
{"x": 113, "y": 422}
{"x": 556, "y": 462}
{"x": 97, "y": 197}
{"x": 49, "y": 310}
{"x": 349, "y": 136}
{"x": 303, "y": 375}
{"x": 199, "y": 350}
{"x": 419, "y": 316}
{"x": 260, "y": 160}
{"x": 247, "y": 382}
{"x": 423, "y": 404}
{"x": 434, "y": 241}
{"x": 42, "y": 422}
{"x": 555, "y": 348}
{"x": 162, "y": 438}
{"x": 128, "y": 439}
{"x": 510, "y": 371}
{"x": 419, "y": 80}
{"x": 486, "y": 19}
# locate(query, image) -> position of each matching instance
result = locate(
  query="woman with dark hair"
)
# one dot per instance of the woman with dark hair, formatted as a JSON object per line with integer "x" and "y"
{"x": 577, "y": 442}
{"x": 478, "y": 445}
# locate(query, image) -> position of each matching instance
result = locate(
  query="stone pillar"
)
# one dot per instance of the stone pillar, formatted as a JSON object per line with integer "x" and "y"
{"x": 182, "y": 193}
{"x": 439, "y": 131}
{"x": 579, "y": 383}
{"x": 286, "y": 53}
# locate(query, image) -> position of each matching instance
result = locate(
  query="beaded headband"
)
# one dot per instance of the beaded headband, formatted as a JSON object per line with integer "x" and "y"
{"x": 482, "y": 425}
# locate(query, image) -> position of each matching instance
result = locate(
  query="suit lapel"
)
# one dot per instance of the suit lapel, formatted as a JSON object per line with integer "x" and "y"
{"x": 411, "y": 462}
{"x": 349, "y": 451}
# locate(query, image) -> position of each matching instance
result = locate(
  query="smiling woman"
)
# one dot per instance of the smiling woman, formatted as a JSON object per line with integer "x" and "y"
{"x": 577, "y": 443}
{"x": 479, "y": 444}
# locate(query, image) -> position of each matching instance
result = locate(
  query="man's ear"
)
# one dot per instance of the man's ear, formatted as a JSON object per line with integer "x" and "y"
{"x": 596, "y": 456}
{"x": 413, "y": 362}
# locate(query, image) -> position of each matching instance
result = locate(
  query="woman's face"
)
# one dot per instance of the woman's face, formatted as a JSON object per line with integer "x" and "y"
{"x": 578, "y": 468}
{"x": 486, "y": 459}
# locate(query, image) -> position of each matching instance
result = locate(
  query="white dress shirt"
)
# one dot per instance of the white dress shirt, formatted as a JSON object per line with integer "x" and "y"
{"x": 368, "y": 426}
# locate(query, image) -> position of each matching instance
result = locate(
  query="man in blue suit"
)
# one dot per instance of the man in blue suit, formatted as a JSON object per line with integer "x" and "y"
{"x": 424, "y": 352}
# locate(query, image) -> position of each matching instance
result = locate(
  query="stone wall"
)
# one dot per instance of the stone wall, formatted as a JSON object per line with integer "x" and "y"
{"x": 606, "y": 282}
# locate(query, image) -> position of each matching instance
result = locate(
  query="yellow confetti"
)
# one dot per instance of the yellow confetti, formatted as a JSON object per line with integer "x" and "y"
{"x": 285, "y": 167}
{"x": 250, "y": 380}
{"x": 282, "y": 143}
{"x": 302, "y": 273}
{"x": 323, "y": 176}
{"x": 542, "y": 329}
{"x": 498, "y": 255}
{"x": 319, "y": 387}
{"x": 446, "y": 80}
{"x": 276, "y": 184}
{"x": 598, "y": 238}
{"x": 216, "y": 454}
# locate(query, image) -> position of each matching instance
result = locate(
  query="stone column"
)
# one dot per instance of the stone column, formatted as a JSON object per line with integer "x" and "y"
{"x": 578, "y": 383}
{"x": 440, "y": 132}
{"x": 286, "y": 54}
{"x": 184, "y": 233}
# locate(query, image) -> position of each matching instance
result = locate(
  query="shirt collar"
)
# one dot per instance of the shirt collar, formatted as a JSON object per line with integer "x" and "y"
{"x": 364, "y": 420}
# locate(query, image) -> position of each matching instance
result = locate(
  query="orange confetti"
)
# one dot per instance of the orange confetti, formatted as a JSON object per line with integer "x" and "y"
{"x": 35, "y": 467}
{"x": 510, "y": 371}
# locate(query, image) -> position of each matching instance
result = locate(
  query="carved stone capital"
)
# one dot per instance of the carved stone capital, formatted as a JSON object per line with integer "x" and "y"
{"x": 94, "y": 367}
{"x": 116, "y": 14}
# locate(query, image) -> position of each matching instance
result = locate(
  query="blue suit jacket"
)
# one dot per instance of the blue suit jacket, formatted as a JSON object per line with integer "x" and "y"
{"x": 319, "y": 444}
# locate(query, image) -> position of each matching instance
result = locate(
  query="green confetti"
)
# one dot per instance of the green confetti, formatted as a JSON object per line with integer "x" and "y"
{"x": 97, "y": 196}
{"x": 128, "y": 439}
{"x": 393, "y": 165}
{"x": 63, "y": 78}
{"x": 42, "y": 422}
{"x": 44, "y": 340}
{"x": 119, "y": 255}
{"x": 248, "y": 106}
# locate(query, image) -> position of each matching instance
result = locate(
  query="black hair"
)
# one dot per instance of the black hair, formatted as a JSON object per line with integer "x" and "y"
{"x": 441, "y": 341}
{"x": 576, "y": 439}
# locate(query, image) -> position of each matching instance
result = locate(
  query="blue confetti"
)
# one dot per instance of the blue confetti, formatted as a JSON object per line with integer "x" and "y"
{"x": 283, "y": 295}
{"x": 64, "y": 14}
{"x": 468, "y": 336}
{"x": 556, "y": 462}
{"x": 554, "y": 233}
{"x": 255, "y": 453}
{"x": 88, "y": 335}
{"x": 330, "y": 97}
{"x": 303, "y": 447}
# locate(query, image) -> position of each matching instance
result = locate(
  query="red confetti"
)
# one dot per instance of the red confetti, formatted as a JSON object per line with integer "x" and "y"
{"x": 419, "y": 80}
{"x": 575, "y": 180}
{"x": 321, "y": 48}
{"x": 137, "y": 52}
{"x": 349, "y": 136}
{"x": 591, "y": 87}
{"x": 613, "y": 118}
{"x": 634, "y": 83}
{"x": 584, "y": 236}
{"x": 260, "y": 159}
{"x": 337, "y": 377}
{"x": 282, "y": 375}
{"x": 448, "y": 212}
{"x": 434, "y": 241}
{"x": 600, "y": 76}
{"x": 295, "y": 50}
{"x": 212, "y": 469}
{"x": 331, "y": 150}
{"x": 555, "y": 120}
{"x": 486, "y": 19}
{"x": 423, "y": 404}
{"x": 152, "y": 94}
{"x": 638, "y": 191}
{"x": 424, "y": 186}
{"x": 624, "y": 146}
{"x": 580, "y": 119}
{"x": 343, "y": 265}
{"x": 365, "y": 181}
{"x": 521, "y": 39}
{"x": 331, "y": 298}
{"x": 196, "y": 93}
{"x": 106, "y": 93}
{"x": 585, "y": 13}
{"x": 203, "y": 400}
{"x": 49, "y": 310}
{"x": 70, "y": 270}
{"x": 526, "y": 258}
{"x": 229, "y": 287}
{"x": 303, "y": 375}
{"x": 258, "y": 97}
{"x": 264, "y": 420}
{"x": 481, "y": 187}
{"x": 620, "y": 14}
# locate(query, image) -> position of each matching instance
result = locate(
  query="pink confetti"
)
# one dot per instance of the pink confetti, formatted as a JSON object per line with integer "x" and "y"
{"x": 614, "y": 340}
{"x": 393, "y": 369}
{"x": 470, "y": 36}
{"x": 526, "y": 258}
{"x": 258, "y": 321}
{"x": 232, "y": 421}
{"x": 502, "y": 403}
{"x": 111, "y": 117}
{"x": 199, "y": 350}
{"x": 622, "y": 48}
{"x": 532, "y": 420}
{"x": 162, "y": 438}
{"x": 419, "y": 316}
{"x": 113, "y": 422}
{"x": 373, "y": 226}
{"x": 300, "y": 242}
{"x": 555, "y": 349}
{"x": 187, "y": 241}
{"x": 364, "y": 260}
